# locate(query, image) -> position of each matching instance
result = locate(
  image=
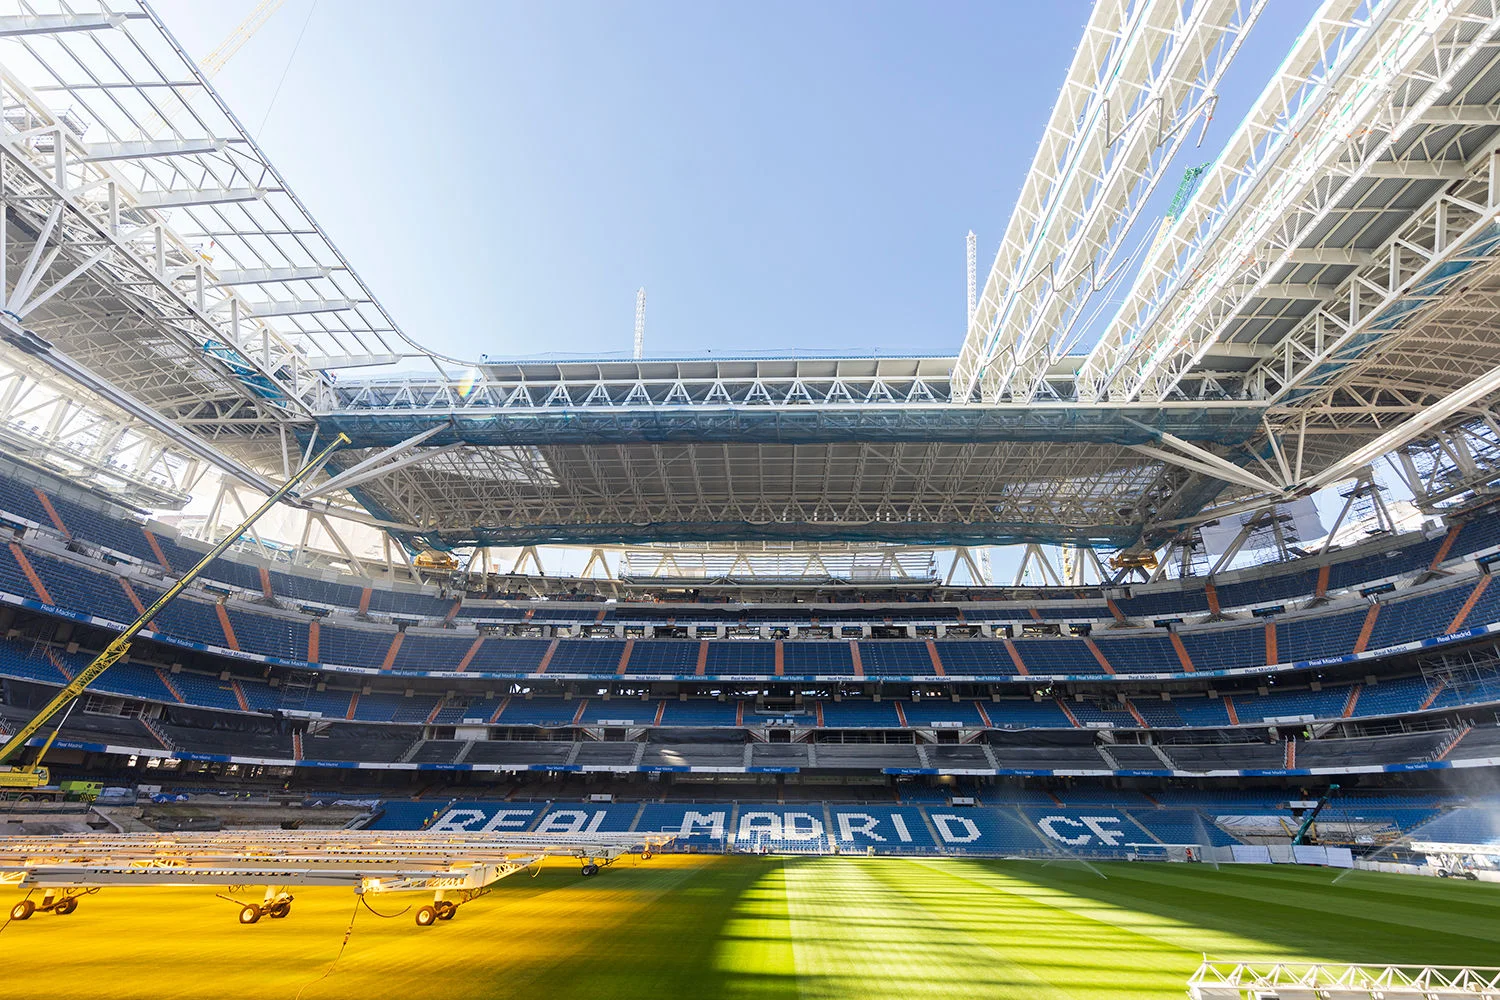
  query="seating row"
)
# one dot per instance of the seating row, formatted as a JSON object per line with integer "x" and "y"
{"x": 126, "y": 533}
{"x": 1339, "y": 631}
{"x": 239, "y": 692}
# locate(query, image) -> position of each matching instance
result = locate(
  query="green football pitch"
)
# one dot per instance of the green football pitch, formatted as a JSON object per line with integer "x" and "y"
{"x": 679, "y": 927}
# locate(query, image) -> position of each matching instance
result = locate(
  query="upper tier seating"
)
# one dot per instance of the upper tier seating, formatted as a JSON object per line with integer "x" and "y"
{"x": 197, "y": 687}
{"x": 123, "y": 531}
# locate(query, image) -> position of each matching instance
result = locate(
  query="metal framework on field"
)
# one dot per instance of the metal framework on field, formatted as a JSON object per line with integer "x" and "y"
{"x": 1308, "y": 981}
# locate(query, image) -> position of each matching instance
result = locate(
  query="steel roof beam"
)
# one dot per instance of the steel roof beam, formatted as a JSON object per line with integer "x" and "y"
{"x": 1408, "y": 274}
{"x": 1431, "y": 418}
{"x": 203, "y": 196}
{"x": 16, "y": 25}
{"x": 265, "y": 275}
{"x": 300, "y": 307}
{"x": 1114, "y": 131}
{"x": 1303, "y": 198}
{"x": 99, "y": 152}
{"x": 354, "y": 472}
{"x": 1291, "y": 102}
{"x": 1461, "y": 114}
{"x": 1329, "y": 255}
{"x": 36, "y": 347}
{"x": 363, "y": 473}
{"x": 1429, "y": 170}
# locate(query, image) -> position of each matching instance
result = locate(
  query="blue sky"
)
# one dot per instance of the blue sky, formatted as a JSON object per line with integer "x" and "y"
{"x": 781, "y": 177}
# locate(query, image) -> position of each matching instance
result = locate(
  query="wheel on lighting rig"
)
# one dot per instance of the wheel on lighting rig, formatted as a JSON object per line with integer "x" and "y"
{"x": 426, "y": 915}
{"x": 445, "y": 909}
{"x": 65, "y": 906}
{"x": 250, "y": 913}
{"x": 590, "y": 868}
{"x": 22, "y": 910}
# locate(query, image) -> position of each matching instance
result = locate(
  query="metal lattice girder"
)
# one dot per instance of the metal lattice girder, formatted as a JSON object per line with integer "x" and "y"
{"x": 1292, "y": 99}
{"x": 777, "y": 561}
{"x": 1414, "y": 54}
{"x": 909, "y": 493}
{"x": 1454, "y": 465}
{"x": 45, "y": 422}
{"x": 1418, "y": 285}
{"x": 1141, "y": 75}
{"x": 172, "y": 207}
{"x": 1342, "y": 982}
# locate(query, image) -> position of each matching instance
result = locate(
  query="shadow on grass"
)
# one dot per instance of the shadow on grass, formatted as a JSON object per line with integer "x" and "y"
{"x": 1297, "y": 913}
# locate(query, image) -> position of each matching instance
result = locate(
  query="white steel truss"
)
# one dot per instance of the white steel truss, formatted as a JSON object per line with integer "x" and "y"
{"x": 779, "y": 562}
{"x": 148, "y": 187}
{"x": 1292, "y": 100}
{"x": 1142, "y": 75}
{"x": 45, "y": 423}
{"x": 1326, "y": 294}
{"x": 1225, "y": 980}
{"x": 654, "y": 384}
{"x": 1410, "y": 56}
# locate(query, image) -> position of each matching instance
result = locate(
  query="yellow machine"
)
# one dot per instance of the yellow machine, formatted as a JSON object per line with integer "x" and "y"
{"x": 435, "y": 561}
{"x": 24, "y": 778}
{"x": 34, "y": 776}
{"x": 1134, "y": 560}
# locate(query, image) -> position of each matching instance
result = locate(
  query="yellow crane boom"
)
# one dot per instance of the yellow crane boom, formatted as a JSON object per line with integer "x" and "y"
{"x": 36, "y": 775}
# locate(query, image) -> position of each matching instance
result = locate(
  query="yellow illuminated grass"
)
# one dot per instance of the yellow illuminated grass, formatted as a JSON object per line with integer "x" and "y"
{"x": 761, "y": 928}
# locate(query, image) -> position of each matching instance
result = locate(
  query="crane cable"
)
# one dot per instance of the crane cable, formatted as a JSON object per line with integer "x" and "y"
{"x": 284, "y": 70}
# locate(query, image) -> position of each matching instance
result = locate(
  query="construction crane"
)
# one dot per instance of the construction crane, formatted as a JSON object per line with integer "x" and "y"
{"x": 215, "y": 60}
{"x": 212, "y": 63}
{"x": 1312, "y": 814}
{"x": 35, "y": 775}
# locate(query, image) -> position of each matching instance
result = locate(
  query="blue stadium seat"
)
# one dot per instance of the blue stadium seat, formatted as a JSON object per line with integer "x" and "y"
{"x": 895, "y": 659}
{"x": 353, "y": 647}
{"x": 813, "y": 658}
{"x": 667, "y": 657}
{"x": 860, "y": 715}
{"x": 975, "y": 658}
{"x": 1225, "y": 648}
{"x": 1057, "y": 657}
{"x": 699, "y": 712}
{"x": 509, "y": 656}
{"x": 598, "y": 657}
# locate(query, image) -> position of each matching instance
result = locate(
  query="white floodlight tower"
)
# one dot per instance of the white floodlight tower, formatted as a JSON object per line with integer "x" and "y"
{"x": 973, "y": 254}
{"x": 640, "y": 323}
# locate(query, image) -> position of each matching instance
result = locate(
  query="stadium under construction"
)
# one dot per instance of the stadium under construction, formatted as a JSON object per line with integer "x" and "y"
{"x": 297, "y": 609}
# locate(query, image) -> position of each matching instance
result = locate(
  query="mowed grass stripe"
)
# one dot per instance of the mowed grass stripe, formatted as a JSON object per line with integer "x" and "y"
{"x": 852, "y": 936}
{"x": 1087, "y": 954}
{"x": 1306, "y": 897}
{"x": 1291, "y": 914}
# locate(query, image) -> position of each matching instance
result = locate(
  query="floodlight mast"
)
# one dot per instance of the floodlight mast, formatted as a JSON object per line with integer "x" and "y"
{"x": 121, "y": 644}
{"x": 639, "y": 348}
